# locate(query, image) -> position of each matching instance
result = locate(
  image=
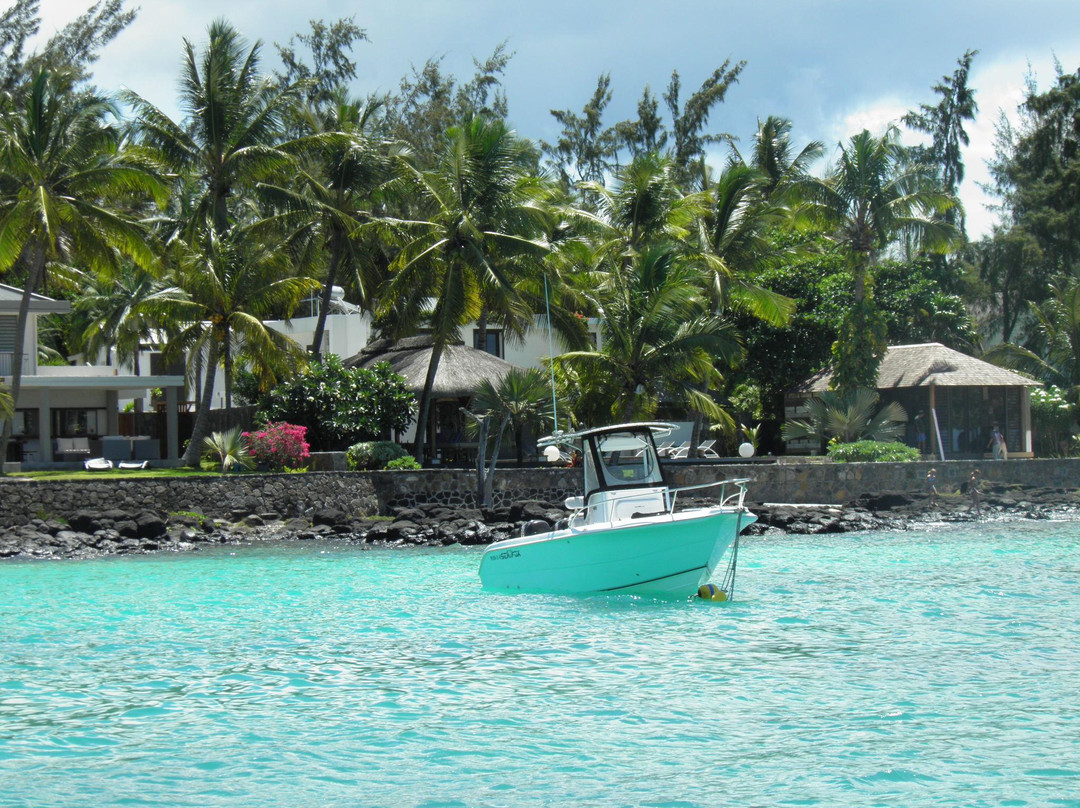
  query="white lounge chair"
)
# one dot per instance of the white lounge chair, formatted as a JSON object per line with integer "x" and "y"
{"x": 680, "y": 451}
{"x": 97, "y": 464}
{"x": 133, "y": 464}
{"x": 663, "y": 449}
{"x": 706, "y": 449}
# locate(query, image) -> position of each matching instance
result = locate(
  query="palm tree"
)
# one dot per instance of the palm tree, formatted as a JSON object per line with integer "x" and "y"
{"x": 231, "y": 133}
{"x": 873, "y": 196}
{"x": 7, "y": 405}
{"x": 229, "y": 140}
{"x": 524, "y": 397}
{"x": 643, "y": 205}
{"x": 66, "y": 176}
{"x": 226, "y": 285}
{"x": 1056, "y": 355}
{"x": 113, "y": 314}
{"x": 343, "y": 171}
{"x": 772, "y": 155}
{"x": 464, "y": 255}
{"x": 848, "y": 417}
{"x": 659, "y": 339}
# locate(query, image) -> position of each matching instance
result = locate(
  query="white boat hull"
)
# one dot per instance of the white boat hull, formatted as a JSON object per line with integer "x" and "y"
{"x": 666, "y": 555}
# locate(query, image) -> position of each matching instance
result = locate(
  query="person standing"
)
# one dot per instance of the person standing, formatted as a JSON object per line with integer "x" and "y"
{"x": 997, "y": 444}
{"x": 973, "y": 489}
{"x": 931, "y": 485}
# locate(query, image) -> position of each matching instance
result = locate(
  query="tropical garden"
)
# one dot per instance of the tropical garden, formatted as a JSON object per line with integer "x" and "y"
{"x": 717, "y": 274}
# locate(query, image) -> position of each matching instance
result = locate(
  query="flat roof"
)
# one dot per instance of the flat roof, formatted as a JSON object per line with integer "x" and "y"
{"x": 99, "y": 382}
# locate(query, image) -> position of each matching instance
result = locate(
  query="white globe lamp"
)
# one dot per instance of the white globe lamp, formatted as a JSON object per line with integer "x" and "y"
{"x": 746, "y": 449}
{"x": 551, "y": 454}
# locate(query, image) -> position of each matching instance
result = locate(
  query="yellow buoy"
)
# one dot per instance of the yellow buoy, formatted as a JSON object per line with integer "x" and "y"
{"x": 711, "y": 592}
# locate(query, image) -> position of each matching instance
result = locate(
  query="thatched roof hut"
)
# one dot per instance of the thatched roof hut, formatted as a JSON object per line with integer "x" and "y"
{"x": 930, "y": 364}
{"x": 460, "y": 370}
{"x": 952, "y": 400}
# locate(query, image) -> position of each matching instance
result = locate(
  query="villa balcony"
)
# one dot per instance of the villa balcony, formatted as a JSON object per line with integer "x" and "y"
{"x": 7, "y": 364}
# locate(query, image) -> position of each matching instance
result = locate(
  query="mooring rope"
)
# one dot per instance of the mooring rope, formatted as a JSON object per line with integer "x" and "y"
{"x": 729, "y": 577}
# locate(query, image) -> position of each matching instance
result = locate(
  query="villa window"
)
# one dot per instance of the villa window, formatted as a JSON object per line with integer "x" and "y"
{"x": 494, "y": 344}
{"x": 25, "y": 424}
{"x": 7, "y": 344}
{"x": 77, "y": 423}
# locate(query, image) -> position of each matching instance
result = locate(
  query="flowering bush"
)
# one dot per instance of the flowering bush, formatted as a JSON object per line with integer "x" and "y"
{"x": 1052, "y": 421}
{"x": 279, "y": 446}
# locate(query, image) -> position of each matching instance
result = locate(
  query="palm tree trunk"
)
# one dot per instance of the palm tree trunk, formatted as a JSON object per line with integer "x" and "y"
{"x": 201, "y": 427}
{"x": 227, "y": 342}
{"x": 489, "y": 478}
{"x": 136, "y": 372}
{"x": 425, "y": 403}
{"x": 37, "y": 269}
{"x": 861, "y": 263}
{"x": 324, "y": 298}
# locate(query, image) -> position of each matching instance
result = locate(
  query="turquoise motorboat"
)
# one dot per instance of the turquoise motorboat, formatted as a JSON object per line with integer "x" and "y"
{"x": 630, "y": 532}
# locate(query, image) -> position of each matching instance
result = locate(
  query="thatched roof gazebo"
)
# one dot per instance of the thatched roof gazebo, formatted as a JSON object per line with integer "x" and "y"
{"x": 460, "y": 371}
{"x": 953, "y": 400}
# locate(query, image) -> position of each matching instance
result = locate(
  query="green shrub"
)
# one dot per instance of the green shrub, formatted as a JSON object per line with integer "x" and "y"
{"x": 406, "y": 463}
{"x": 872, "y": 451}
{"x": 339, "y": 405}
{"x": 1053, "y": 420}
{"x": 369, "y": 455}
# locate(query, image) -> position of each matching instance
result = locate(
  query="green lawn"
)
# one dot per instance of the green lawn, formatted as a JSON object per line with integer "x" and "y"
{"x": 112, "y": 474}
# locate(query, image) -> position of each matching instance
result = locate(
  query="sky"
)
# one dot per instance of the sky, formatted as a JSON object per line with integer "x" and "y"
{"x": 833, "y": 67}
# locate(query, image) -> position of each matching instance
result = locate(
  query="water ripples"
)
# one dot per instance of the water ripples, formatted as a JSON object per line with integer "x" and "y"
{"x": 898, "y": 669}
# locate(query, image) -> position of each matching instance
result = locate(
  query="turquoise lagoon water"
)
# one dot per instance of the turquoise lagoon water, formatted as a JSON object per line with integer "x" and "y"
{"x": 933, "y": 667}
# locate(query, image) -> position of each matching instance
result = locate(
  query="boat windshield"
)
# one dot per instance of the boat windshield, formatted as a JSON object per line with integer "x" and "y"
{"x": 625, "y": 458}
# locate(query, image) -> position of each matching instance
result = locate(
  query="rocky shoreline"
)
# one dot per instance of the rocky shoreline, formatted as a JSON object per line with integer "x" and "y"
{"x": 90, "y": 533}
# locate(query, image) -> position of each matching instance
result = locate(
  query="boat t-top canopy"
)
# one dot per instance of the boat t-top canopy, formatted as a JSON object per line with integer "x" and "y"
{"x": 657, "y": 428}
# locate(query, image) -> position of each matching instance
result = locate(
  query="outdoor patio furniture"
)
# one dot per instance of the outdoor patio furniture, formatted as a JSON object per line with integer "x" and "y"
{"x": 680, "y": 451}
{"x": 706, "y": 449}
{"x": 116, "y": 447}
{"x": 80, "y": 447}
{"x": 146, "y": 449}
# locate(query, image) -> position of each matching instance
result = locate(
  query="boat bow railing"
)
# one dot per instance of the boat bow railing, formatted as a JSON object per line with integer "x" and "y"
{"x": 728, "y": 499}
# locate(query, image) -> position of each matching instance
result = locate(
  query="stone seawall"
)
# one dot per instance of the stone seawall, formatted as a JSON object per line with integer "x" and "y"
{"x": 361, "y": 494}
{"x": 232, "y": 498}
{"x": 840, "y": 483}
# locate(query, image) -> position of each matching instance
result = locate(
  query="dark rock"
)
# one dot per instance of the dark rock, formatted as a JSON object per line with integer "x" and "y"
{"x": 127, "y": 528}
{"x": 150, "y": 525}
{"x": 84, "y": 521}
{"x": 401, "y": 529}
{"x": 885, "y": 502}
{"x": 527, "y": 511}
{"x": 327, "y": 516}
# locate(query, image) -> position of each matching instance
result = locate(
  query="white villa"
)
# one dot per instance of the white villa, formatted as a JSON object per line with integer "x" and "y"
{"x": 68, "y": 412}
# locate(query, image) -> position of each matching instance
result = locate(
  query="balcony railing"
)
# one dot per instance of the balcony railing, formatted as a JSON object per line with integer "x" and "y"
{"x": 7, "y": 363}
